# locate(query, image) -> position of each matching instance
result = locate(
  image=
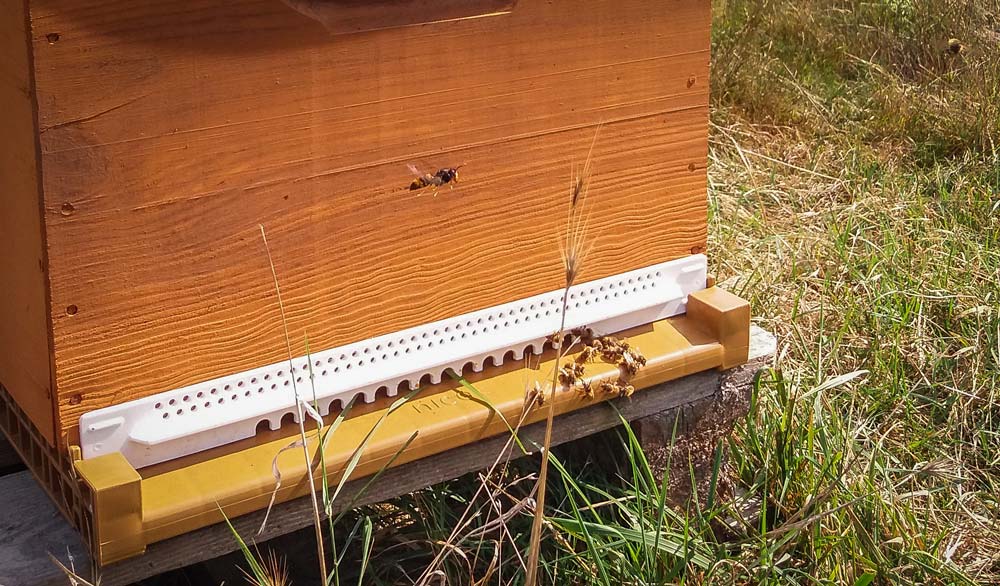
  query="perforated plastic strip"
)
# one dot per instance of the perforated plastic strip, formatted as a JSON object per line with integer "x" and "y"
{"x": 213, "y": 413}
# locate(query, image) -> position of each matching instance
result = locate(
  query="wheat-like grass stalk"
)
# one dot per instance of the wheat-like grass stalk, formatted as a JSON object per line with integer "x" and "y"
{"x": 271, "y": 571}
{"x": 317, "y": 523}
{"x": 573, "y": 247}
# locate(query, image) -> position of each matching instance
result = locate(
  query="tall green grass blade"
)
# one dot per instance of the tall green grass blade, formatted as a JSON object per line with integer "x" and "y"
{"x": 671, "y": 543}
{"x": 374, "y": 477}
{"x": 713, "y": 484}
{"x": 350, "y": 537}
{"x": 356, "y": 455}
{"x": 256, "y": 568}
{"x": 571, "y": 489}
{"x": 366, "y": 548}
{"x": 484, "y": 400}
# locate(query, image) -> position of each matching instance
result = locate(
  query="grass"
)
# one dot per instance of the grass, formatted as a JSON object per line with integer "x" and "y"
{"x": 871, "y": 245}
{"x": 855, "y": 200}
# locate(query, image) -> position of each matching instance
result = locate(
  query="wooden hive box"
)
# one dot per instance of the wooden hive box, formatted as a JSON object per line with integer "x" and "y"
{"x": 145, "y": 143}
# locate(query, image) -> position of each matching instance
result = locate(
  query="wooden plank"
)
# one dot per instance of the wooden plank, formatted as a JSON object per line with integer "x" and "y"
{"x": 341, "y": 16}
{"x": 435, "y": 129}
{"x": 366, "y": 283}
{"x": 169, "y": 132}
{"x": 32, "y": 529}
{"x": 210, "y": 64}
{"x": 24, "y": 341}
{"x": 215, "y": 541}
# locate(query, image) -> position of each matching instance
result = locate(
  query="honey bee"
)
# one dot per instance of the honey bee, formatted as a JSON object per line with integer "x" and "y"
{"x": 588, "y": 354}
{"x": 571, "y": 373}
{"x": 442, "y": 177}
{"x": 586, "y": 389}
{"x": 612, "y": 352}
{"x": 619, "y": 388}
{"x": 535, "y": 396}
{"x": 628, "y": 365}
{"x": 566, "y": 376}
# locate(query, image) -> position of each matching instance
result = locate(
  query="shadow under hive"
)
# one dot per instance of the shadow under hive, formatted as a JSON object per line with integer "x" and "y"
{"x": 146, "y": 144}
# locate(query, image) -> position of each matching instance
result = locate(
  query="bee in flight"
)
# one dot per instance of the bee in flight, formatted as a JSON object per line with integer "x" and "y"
{"x": 443, "y": 176}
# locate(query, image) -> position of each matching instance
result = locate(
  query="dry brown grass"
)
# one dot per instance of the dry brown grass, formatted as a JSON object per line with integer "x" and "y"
{"x": 855, "y": 185}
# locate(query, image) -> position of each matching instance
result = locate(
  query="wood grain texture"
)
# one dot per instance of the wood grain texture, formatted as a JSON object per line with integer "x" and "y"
{"x": 170, "y": 131}
{"x": 24, "y": 340}
{"x": 344, "y": 16}
{"x": 32, "y": 529}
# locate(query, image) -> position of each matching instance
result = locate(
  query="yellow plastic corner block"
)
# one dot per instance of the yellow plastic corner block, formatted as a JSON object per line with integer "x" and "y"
{"x": 728, "y": 319}
{"x": 115, "y": 491}
{"x": 185, "y": 494}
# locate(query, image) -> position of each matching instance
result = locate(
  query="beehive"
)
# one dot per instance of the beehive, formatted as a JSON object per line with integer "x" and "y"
{"x": 145, "y": 144}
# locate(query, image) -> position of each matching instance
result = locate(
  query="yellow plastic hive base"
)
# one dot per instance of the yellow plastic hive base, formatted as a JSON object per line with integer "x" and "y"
{"x": 130, "y": 509}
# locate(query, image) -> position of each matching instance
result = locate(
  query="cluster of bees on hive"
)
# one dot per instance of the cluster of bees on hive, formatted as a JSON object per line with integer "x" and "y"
{"x": 608, "y": 349}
